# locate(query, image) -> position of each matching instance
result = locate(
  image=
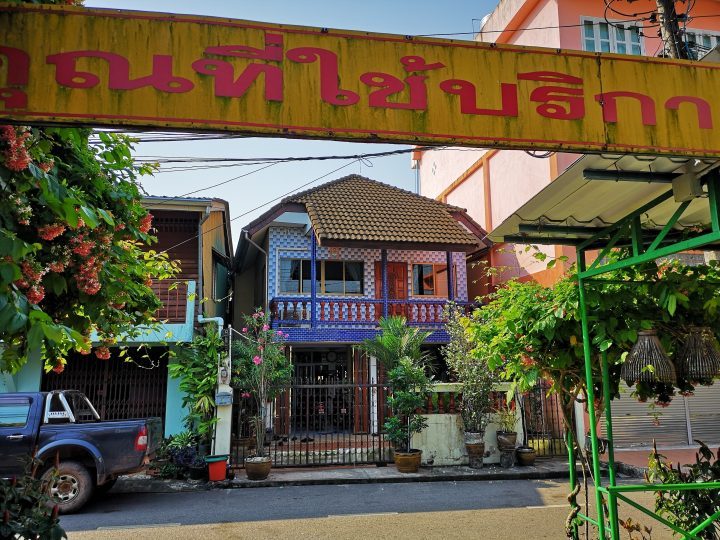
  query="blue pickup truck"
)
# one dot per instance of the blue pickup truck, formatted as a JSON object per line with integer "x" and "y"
{"x": 64, "y": 430}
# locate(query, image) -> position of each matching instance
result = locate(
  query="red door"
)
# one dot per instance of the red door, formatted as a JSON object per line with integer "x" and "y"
{"x": 397, "y": 286}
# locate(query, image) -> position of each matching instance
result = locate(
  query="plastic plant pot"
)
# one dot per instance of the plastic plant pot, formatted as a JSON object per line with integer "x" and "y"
{"x": 217, "y": 467}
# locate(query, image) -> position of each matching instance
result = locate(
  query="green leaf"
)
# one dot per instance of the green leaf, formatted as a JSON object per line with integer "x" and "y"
{"x": 56, "y": 283}
{"x": 89, "y": 216}
{"x": 671, "y": 304}
{"x": 53, "y": 332}
{"x": 106, "y": 217}
{"x": 35, "y": 336}
{"x": 9, "y": 272}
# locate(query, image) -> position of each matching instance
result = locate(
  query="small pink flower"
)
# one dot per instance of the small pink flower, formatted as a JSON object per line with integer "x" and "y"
{"x": 260, "y": 314}
{"x": 265, "y": 328}
{"x": 244, "y": 330}
{"x": 245, "y": 395}
{"x": 261, "y": 348}
{"x": 257, "y": 360}
{"x": 255, "y": 315}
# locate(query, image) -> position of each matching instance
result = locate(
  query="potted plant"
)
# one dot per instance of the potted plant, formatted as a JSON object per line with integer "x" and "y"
{"x": 260, "y": 371}
{"x": 478, "y": 382}
{"x": 410, "y": 387}
{"x": 398, "y": 349}
{"x": 506, "y": 418}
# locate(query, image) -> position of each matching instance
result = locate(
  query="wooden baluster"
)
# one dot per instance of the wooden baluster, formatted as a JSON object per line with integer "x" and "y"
{"x": 451, "y": 409}
{"x": 430, "y": 406}
{"x": 322, "y": 310}
{"x": 441, "y": 402}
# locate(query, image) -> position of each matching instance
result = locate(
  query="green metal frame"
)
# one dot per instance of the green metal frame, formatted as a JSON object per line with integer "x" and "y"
{"x": 628, "y": 231}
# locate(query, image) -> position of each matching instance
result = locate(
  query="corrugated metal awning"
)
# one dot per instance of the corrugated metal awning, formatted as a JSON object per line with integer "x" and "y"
{"x": 599, "y": 190}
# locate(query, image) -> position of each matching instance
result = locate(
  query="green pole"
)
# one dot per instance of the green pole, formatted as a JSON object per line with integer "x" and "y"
{"x": 590, "y": 397}
{"x": 612, "y": 497}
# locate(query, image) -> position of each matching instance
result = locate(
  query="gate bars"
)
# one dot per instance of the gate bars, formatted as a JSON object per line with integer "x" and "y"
{"x": 628, "y": 232}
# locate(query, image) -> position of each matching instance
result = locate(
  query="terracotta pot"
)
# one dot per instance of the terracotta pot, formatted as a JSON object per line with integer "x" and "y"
{"x": 475, "y": 447}
{"x": 408, "y": 462}
{"x": 257, "y": 468}
{"x": 526, "y": 456}
{"x": 506, "y": 440}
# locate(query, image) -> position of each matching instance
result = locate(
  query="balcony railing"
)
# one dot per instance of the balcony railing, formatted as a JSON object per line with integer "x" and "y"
{"x": 296, "y": 310}
{"x": 174, "y": 296}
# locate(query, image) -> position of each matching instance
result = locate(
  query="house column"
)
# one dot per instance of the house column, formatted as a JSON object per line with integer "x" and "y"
{"x": 313, "y": 277}
{"x": 384, "y": 272}
{"x": 450, "y": 278}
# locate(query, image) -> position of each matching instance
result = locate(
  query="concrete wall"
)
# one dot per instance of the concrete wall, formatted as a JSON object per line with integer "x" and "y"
{"x": 442, "y": 442}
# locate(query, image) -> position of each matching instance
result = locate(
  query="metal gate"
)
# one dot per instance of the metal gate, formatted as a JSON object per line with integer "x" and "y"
{"x": 119, "y": 389}
{"x": 333, "y": 422}
{"x": 544, "y": 422}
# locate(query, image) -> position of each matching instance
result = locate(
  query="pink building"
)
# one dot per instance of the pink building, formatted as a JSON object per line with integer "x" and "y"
{"x": 492, "y": 184}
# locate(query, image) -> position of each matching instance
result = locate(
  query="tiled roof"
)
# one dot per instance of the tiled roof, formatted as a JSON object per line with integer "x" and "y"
{"x": 355, "y": 208}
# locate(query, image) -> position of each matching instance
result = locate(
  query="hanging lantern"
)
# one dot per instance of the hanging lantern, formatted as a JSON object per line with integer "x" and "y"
{"x": 648, "y": 351}
{"x": 698, "y": 361}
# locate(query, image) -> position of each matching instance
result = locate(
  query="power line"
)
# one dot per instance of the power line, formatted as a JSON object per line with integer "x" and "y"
{"x": 298, "y": 188}
{"x": 481, "y": 31}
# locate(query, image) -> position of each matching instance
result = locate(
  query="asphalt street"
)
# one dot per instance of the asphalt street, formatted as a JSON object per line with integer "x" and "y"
{"x": 504, "y": 510}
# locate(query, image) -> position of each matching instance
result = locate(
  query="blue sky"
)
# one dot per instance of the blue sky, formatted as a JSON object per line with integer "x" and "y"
{"x": 389, "y": 16}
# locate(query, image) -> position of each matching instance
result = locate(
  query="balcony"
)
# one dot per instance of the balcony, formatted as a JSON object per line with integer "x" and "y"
{"x": 294, "y": 311}
{"x": 175, "y": 318}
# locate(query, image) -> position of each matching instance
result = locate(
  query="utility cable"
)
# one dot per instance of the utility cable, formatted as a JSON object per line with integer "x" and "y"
{"x": 294, "y": 190}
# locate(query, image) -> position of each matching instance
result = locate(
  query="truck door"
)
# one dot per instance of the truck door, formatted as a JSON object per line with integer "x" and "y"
{"x": 18, "y": 425}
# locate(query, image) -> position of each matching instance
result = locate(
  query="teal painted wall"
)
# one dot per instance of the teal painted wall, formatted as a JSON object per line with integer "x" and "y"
{"x": 174, "y": 411}
{"x": 28, "y": 378}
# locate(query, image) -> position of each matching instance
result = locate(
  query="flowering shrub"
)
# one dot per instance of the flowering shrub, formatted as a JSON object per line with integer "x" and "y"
{"x": 73, "y": 244}
{"x": 260, "y": 368}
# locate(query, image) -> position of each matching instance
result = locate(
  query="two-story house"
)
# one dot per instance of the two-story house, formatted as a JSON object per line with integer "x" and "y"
{"x": 329, "y": 263}
{"x": 133, "y": 381}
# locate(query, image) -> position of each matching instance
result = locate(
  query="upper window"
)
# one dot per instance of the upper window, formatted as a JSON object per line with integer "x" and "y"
{"x": 700, "y": 42}
{"x": 295, "y": 276}
{"x": 341, "y": 277}
{"x": 431, "y": 280}
{"x": 621, "y": 38}
{"x": 14, "y": 412}
{"x": 333, "y": 277}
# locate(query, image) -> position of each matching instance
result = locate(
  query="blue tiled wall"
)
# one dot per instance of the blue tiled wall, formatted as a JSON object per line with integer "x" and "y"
{"x": 295, "y": 242}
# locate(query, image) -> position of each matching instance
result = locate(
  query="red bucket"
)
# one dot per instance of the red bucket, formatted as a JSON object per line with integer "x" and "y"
{"x": 217, "y": 467}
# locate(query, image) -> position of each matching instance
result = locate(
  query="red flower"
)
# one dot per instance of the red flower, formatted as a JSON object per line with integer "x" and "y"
{"x": 45, "y": 167}
{"x": 50, "y": 232}
{"x": 57, "y": 267}
{"x": 103, "y": 353}
{"x": 145, "y": 223}
{"x": 36, "y": 294}
{"x": 59, "y": 368}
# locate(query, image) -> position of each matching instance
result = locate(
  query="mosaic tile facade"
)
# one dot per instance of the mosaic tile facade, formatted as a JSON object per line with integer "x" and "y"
{"x": 295, "y": 242}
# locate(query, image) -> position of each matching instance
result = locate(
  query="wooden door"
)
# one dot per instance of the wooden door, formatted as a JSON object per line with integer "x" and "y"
{"x": 397, "y": 286}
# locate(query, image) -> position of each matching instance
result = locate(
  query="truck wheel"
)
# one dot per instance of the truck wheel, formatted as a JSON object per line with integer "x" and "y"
{"x": 69, "y": 486}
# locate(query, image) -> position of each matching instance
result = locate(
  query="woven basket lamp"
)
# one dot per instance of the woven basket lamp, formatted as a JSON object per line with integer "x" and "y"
{"x": 699, "y": 358}
{"x": 648, "y": 351}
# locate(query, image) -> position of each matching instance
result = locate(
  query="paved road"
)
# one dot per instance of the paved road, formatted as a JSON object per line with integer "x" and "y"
{"x": 501, "y": 509}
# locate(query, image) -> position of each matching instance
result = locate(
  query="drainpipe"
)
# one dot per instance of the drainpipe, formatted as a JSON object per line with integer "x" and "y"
{"x": 201, "y": 290}
{"x": 223, "y": 413}
{"x": 267, "y": 268}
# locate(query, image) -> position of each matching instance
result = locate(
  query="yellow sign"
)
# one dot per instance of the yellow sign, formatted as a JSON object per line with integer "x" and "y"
{"x": 71, "y": 65}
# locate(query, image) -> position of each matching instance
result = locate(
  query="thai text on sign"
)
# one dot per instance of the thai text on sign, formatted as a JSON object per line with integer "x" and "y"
{"x": 71, "y": 65}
